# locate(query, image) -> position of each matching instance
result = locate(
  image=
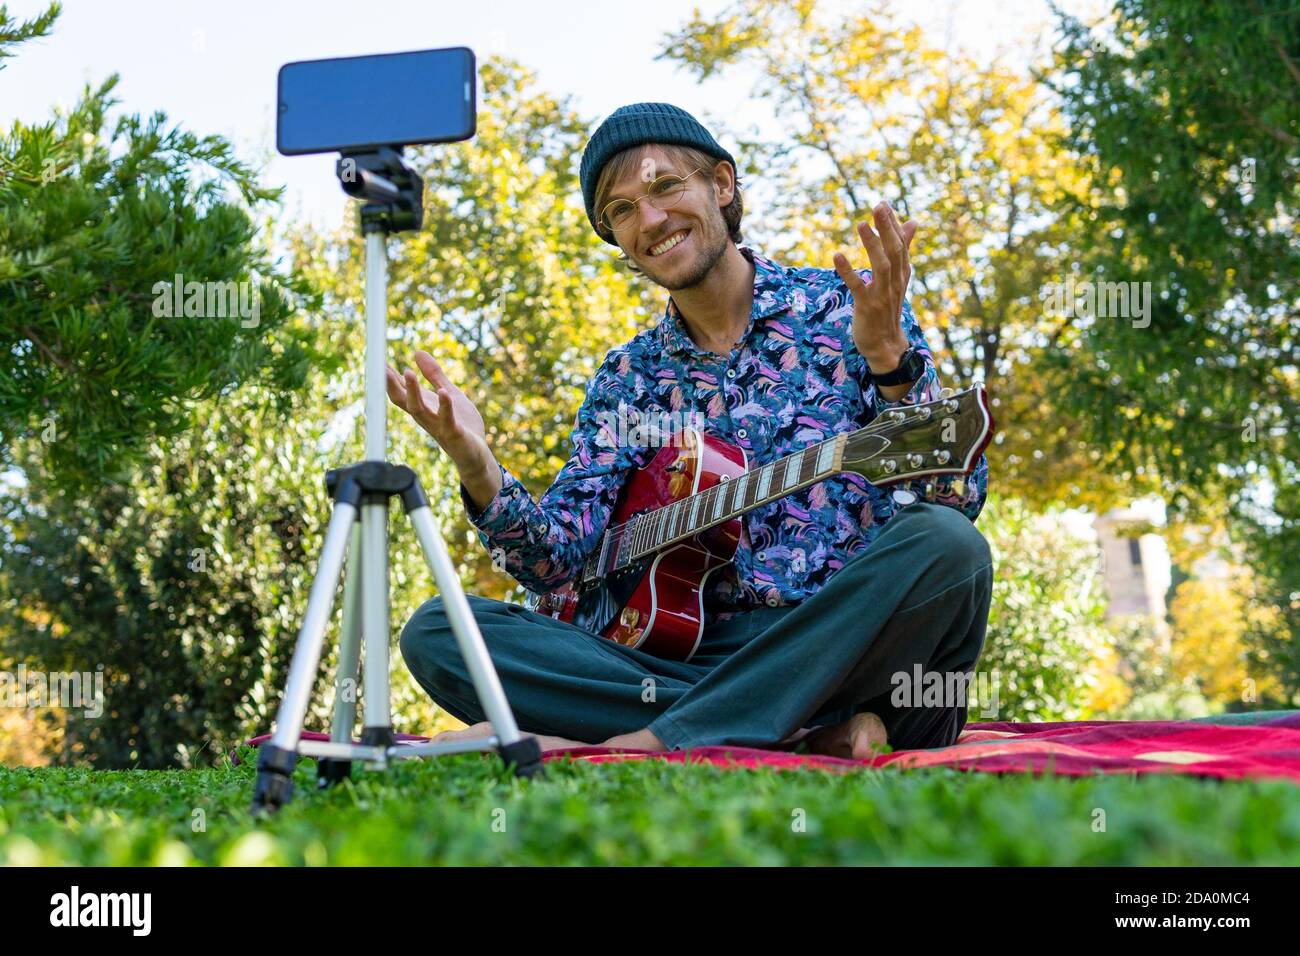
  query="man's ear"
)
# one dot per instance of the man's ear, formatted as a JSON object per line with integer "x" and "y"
{"x": 726, "y": 190}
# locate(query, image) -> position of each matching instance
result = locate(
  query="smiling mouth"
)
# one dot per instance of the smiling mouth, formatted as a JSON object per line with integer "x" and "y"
{"x": 669, "y": 244}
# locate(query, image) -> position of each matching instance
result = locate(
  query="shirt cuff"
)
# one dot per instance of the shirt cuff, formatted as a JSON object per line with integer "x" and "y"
{"x": 916, "y": 394}
{"x": 504, "y": 511}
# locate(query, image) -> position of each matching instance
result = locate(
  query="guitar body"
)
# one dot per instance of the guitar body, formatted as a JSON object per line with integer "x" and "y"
{"x": 656, "y": 604}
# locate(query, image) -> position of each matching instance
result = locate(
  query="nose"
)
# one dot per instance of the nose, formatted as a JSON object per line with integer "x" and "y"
{"x": 650, "y": 217}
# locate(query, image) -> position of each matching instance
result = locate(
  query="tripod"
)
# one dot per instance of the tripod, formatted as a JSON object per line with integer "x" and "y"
{"x": 358, "y": 533}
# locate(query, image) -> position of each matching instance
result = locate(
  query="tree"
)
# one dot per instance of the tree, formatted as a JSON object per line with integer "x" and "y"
{"x": 1185, "y": 116}
{"x": 100, "y": 386}
{"x": 1046, "y": 634}
{"x": 96, "y": 224}
{"x": 868, "y": 111}
{"x": 188, "y": 578}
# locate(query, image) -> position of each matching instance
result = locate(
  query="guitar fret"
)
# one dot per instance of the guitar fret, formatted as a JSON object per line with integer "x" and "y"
{"x": 721, "y": 490}
{"x": 739, "y": 503}
{"x": 601, "y": 564}
{"x": 620, "y": 550}
{"x": 792, "y": 470}
{"x": 765, "y": 479}
{"x": 695, "y": 510}
{"x": 673, "y": 515}
{"x": 826, "y": 456}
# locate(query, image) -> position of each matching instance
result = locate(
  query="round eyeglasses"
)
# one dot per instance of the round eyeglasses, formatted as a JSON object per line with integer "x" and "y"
{"x": 664, "y": 193}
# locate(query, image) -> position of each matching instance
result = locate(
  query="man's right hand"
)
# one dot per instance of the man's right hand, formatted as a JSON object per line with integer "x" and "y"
{"x": 453, "y": 421}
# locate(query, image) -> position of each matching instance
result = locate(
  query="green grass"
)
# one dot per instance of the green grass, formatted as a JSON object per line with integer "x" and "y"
{"x": 466, "y": 810}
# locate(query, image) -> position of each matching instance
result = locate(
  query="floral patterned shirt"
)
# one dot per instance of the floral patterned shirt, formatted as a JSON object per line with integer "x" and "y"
{"x": 794, "y": 379}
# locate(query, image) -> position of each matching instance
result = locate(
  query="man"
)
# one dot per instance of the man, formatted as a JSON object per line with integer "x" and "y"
{"x": 836, "y": 594}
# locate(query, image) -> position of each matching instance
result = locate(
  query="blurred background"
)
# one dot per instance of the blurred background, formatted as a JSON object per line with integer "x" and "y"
{"x": 1106, "y": 196}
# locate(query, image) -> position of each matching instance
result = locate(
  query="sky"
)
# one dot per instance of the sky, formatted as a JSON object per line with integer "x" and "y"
{"x": 212, "y": 67}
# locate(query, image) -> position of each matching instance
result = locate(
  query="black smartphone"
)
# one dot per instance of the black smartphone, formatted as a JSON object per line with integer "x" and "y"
{"x": 387, "y": 99}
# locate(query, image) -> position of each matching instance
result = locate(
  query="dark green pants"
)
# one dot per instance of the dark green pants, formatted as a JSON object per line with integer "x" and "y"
{"x": 919, "y": 595}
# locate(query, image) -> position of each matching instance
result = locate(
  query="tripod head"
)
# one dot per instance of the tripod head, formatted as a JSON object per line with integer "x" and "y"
{"x": 393, "y": 191}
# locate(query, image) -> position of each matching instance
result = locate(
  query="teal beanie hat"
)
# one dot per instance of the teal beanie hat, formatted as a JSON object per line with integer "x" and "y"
{"x": 637, "y": 125}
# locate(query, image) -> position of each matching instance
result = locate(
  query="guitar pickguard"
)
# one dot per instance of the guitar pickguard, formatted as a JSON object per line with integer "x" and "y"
{"x": 600, "y": 606}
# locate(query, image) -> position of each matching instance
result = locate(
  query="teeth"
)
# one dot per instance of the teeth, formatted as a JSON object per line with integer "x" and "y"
{"x": 667, "y": 244}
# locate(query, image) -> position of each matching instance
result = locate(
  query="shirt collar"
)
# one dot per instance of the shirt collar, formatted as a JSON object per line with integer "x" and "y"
{"x": 772, "y": 294}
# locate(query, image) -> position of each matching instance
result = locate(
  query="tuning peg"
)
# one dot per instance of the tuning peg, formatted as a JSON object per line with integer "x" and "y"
{"x": 947, "y": 392}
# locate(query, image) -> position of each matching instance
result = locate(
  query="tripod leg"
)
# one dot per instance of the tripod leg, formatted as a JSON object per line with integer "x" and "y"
{"x": 377, "y": 730}
{"x": 330, "y": 770}
{"x": 279, "y": 754}
{"x": 522, "y": 752}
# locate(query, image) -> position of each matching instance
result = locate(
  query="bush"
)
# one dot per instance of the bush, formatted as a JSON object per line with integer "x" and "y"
{"x": 1046, "y": 628}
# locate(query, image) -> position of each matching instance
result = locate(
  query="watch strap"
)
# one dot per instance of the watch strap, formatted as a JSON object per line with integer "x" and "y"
{"x": 906, "y": 371}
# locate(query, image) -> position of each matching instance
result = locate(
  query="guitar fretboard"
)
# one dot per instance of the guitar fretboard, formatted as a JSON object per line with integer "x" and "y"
{"x": 652, "y": 531}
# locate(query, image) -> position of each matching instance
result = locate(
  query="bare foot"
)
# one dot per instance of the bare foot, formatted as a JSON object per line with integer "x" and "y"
{"x": 482, "y": 729}
{"x": 860, "y": 737}
{"x": 558, "y": 743}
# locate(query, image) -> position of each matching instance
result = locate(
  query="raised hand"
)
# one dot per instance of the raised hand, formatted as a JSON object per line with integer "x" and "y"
{"x": 446, "y": 413}
{"x": 878, "y": 303}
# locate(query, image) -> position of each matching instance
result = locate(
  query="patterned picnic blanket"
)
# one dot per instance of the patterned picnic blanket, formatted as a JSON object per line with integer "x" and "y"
{"x": 1231, "y": 746}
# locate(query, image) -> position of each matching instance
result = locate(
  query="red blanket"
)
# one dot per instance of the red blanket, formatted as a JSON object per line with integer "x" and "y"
{"x": 1233, "y": 746}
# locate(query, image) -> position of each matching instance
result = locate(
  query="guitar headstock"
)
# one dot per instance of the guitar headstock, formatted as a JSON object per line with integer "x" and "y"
{"x": 943, "y": 437}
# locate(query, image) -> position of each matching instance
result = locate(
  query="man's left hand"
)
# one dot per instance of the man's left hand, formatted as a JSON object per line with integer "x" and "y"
{"x": 878, "y": 303}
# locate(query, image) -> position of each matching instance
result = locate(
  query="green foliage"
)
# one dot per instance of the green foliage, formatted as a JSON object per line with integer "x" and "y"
{"x": 1185, "y": 115}
{"x": 868, "y": 110}
{"x": 643, "y": 813}
{"x": 186, "y": 585}
{"x": 195, "y": 657}
{"x": 94, "y": 216}
{"x": 154, "y": 514}
{"x": 1147, "y": 668}
{"x": 1046, "y": 619}
{"x": 13, "y": 32}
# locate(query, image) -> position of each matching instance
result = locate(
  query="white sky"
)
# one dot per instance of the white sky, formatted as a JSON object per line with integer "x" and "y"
{"x": 212, "y": 67}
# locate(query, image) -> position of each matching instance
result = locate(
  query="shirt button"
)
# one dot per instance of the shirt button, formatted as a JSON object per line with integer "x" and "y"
{"x": 773, "y": 599}
{"x": 741, "y": 433}
{"x": 762, "y": 555}
{"x": 731, "y": 373}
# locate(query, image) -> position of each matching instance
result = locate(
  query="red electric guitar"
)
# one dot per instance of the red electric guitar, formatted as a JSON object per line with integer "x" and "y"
{"x": 678, "y": 519}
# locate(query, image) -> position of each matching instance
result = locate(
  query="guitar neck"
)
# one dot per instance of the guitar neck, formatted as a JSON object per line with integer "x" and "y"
{"x": 652, "y": 531}
{"x": 938, "y": 438}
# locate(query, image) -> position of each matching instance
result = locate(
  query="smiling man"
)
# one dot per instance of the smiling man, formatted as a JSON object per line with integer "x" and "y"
{"x": 834, "y": 592}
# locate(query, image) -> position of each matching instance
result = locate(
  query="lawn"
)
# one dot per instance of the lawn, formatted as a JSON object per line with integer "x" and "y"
{"x": 466, "y": 810}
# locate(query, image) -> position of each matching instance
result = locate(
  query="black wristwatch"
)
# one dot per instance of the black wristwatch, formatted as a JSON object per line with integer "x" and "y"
{"x": 910, "y": 367}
